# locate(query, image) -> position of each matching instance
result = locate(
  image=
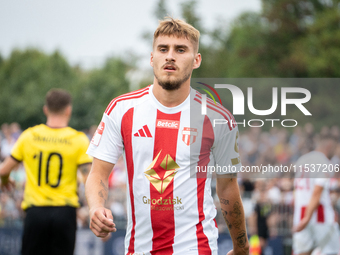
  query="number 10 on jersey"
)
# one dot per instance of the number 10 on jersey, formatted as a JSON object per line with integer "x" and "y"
{"x": 46, "y": 166}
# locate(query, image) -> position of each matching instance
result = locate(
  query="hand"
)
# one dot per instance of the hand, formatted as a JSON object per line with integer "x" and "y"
{"x": 107, "y": 238}
{"x": 7, "y": 184}
{"x": 301, "y": 225}
{"x": 101, "y": 222}
{"x": 240, "y": 251}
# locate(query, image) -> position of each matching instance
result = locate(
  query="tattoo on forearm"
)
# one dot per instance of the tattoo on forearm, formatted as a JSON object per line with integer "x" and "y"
{"x": 225, "y": 213}
{"x": 100, "y": 193}
{"x": 237, "y": 224}
{"x": 241, "y": 239}
{"x": 224, "y": 201}
{"x": 236, "y": 213}
{"x": 104, "y": 186}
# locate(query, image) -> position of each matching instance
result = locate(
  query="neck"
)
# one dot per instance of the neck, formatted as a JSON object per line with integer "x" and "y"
{"x": 171, "y": 98}
{"x": 57, "y": 121}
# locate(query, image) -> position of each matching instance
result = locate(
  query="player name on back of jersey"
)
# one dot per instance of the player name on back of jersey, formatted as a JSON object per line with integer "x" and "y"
{"x": 174, "y": 124}
{"x": 51, "y": 139}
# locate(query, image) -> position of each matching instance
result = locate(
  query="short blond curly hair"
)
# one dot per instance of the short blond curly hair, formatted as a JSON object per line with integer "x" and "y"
{"x": 178, "y": 28}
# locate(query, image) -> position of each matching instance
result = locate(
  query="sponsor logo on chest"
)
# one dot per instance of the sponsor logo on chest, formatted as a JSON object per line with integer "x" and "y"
{"x": 173, "y": 124}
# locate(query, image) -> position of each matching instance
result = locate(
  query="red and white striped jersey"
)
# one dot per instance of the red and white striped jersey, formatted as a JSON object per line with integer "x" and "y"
{"x": 305, "y": 183}
{"x": 169, "y": 210}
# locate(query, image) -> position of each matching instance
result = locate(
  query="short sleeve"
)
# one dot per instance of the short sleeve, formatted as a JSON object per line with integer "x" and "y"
{"x": 323, "y": 182}
{"x": 17, "y": 150}
{"x": 225, "y": 152}
{"x": 107, "y": 142}
{"x": 83, "y": 157}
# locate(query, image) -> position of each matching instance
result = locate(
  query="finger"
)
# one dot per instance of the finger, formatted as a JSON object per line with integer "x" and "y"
{"x": 106, "y": 221}
{"x": 93, "y": 225}
{"x": 99, "y": 234}
{"x": 108, "y": 214}
{"x": 103, "y": 227}
{"x": 103, "y": 222}
{"x": 105, "y": 239}
{"x": 98, "y": 230}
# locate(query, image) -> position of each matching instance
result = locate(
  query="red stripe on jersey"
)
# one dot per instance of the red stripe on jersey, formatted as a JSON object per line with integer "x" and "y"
{"x": 126, "y": 131}
{"x": 162, "y": 221}
{"x": 215, "y": 223}
{"x": 212, "y": 103}
{"x": 131, "y": 95}
{"x": 216, "y": 110}
{"x": 147, "y": 131}
{"x": 321, "y": 214}
{"x": 125, "y": 95}
{"x": 303, "y": 211}
{"x": 204, "y": 159}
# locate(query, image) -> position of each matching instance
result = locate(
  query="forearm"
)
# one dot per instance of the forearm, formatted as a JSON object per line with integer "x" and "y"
{"x": 96, "y": 187}
{"x": 96, "y": 190}
{"x": 6, "y": 168}
{"x": 233, "y": 214}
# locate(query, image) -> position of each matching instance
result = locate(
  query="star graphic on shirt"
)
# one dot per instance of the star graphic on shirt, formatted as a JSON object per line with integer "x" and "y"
{"x": 170, "y": 167}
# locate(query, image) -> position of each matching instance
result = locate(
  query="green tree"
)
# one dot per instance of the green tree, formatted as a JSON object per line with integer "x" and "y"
{"x": 317, "y": 54}
{"x": 96, "y": 89}
{"x": 25, "y": 77}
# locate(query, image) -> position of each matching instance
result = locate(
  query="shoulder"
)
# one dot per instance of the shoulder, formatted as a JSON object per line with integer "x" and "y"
{"x": 29, "y": 132}
{"x": 128, "y": 100}
{"x": 77, "y": 135}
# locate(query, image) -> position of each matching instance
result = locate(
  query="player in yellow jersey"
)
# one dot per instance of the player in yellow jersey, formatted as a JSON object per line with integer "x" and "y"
{"x": 51, "y": 154}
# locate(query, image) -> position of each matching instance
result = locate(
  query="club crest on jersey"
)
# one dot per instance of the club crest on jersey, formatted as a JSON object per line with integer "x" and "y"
{"x": 169, "y": 166}
{"x": 189, "y": 135}
{"x": 98, "y": 135}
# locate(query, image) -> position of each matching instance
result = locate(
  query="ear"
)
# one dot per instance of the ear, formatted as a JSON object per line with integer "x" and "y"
{"x": 197, "y": 61}
{"x": 151, "y": 59}
{"x": 45, "y": 110}
{"x": 68, "y": 110}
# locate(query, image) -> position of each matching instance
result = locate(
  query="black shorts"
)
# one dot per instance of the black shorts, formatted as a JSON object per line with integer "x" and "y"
{"x": 49, "y": 230}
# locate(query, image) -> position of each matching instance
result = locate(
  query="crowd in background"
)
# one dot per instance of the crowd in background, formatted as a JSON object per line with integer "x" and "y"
{"x": 268, "y": 202}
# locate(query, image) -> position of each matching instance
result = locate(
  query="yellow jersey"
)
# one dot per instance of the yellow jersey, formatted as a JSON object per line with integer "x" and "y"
{"x": 51, "y": 157}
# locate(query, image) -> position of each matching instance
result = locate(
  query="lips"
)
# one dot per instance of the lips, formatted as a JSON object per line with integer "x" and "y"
{"x": 170, "y": 68}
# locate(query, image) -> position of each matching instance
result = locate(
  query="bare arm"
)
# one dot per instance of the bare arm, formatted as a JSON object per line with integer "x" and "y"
{"x": 96, "y": 191}
{"x": 5, "y": 169}
{"x": 233, "y": 214}
{"x": 313, "y": 204}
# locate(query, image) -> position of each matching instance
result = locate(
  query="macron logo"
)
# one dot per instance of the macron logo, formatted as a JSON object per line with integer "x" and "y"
{"x": 174, "y": 124}
{"x": 143, "y": 132}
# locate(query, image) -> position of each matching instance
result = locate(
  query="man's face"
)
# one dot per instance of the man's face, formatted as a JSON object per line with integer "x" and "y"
{"x": 173, "y": 60}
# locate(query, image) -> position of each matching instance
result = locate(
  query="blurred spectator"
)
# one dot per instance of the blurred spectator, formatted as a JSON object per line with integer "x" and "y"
{"x": 262, "y": 211}
{"x": 7, "y": 142}
{"x": 15, "y": 130}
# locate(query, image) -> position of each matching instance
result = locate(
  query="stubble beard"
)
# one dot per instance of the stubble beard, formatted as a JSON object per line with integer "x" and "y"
{"x": 171, "y": 85}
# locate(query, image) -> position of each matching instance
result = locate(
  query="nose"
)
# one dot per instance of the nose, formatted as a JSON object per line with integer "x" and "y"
{"x": 170, "y": 56}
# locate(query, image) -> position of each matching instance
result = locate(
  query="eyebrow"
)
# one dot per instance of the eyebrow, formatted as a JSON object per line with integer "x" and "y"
{"x": 176, "y": 46}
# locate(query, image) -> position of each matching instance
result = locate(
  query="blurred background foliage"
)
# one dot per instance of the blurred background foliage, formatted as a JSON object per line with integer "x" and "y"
{"x": 288, "y": 38}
